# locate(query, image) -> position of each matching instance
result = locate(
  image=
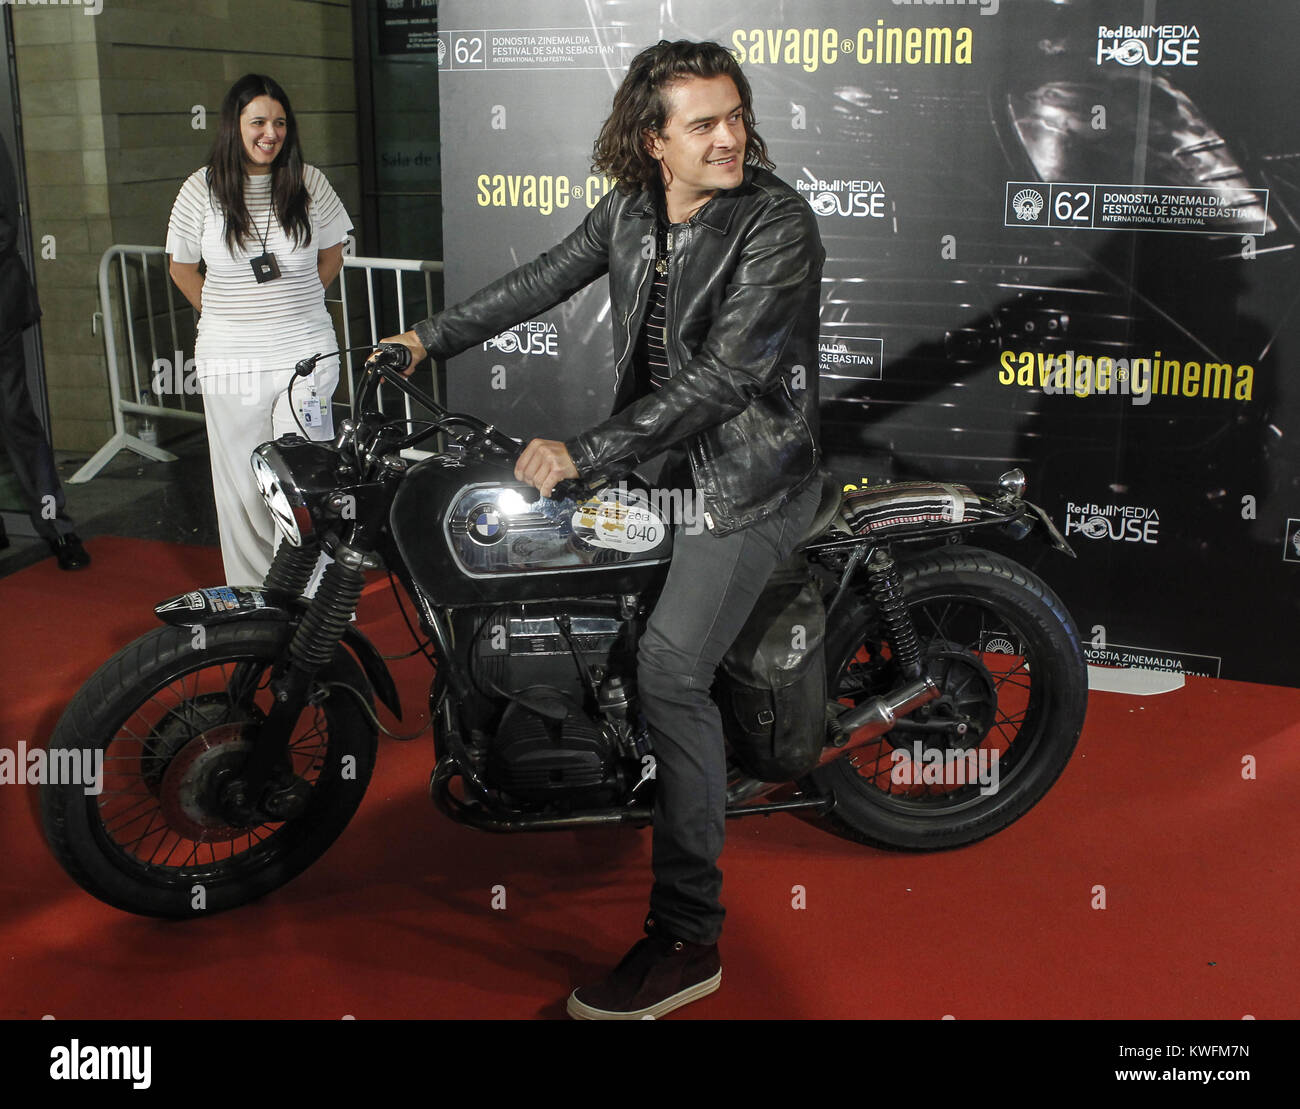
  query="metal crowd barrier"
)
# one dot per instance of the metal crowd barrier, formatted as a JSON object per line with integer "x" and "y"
{"x": 133, "y": 278}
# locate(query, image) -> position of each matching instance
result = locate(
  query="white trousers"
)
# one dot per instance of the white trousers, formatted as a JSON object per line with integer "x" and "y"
{"x": 244, "y": 410}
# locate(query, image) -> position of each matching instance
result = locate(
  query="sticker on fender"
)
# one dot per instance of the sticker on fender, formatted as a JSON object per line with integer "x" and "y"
{"x": 618, "y": 526}
{"x": 223, "y": 598}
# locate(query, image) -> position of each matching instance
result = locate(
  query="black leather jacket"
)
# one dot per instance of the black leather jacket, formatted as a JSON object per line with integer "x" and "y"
{"x": 742, "y": 324}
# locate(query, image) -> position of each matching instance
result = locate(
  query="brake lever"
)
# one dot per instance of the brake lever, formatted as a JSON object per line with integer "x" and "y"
{"x": 510, "y": 446}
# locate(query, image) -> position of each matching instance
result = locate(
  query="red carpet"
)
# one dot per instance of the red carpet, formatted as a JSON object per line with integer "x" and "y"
{"x": 1199, "y": 867}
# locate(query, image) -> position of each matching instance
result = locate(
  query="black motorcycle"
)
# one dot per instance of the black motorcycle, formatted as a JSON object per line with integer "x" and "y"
{"x": 915, "y": 690}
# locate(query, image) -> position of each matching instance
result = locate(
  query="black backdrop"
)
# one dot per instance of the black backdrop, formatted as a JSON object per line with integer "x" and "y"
{"x": 988, "y": 301}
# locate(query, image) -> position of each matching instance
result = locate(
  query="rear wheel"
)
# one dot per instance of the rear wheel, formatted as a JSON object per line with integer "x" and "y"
{"x": 172, "y": 722}
{"x": 1005, "y": 655}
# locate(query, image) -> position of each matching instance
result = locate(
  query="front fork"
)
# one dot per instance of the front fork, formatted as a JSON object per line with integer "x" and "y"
{"x": 261, "y": 791}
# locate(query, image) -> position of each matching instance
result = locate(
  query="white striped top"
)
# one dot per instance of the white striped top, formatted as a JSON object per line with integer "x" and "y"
{"x": 274, "y": 323}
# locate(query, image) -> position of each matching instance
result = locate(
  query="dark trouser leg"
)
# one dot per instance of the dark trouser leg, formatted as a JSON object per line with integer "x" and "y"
{"x": 711, "y": 588}
{"x": 28, "y": 448}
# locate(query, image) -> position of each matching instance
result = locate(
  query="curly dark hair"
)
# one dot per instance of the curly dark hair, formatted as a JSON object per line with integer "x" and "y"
{"x": 641, "y": 105}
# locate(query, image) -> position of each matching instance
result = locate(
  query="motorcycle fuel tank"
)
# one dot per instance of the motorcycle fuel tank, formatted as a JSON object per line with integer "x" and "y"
{"x": 472, "y": 537}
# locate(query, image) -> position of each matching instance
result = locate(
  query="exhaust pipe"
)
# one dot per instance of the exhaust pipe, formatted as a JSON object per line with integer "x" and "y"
{"x": 878, "y": 715}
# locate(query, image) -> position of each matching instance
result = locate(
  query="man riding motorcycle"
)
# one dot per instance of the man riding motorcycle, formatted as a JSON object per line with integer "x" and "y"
{"x": 714, "y": 269}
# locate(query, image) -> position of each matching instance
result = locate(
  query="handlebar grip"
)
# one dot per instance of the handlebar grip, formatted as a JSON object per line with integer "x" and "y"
{"x": 571, "y": 489}
{"x": 395, "y": 355}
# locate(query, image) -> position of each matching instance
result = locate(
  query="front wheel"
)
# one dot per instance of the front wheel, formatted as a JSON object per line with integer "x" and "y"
{"x": 167, "y": 720}
{"x": 1013, "y": 685}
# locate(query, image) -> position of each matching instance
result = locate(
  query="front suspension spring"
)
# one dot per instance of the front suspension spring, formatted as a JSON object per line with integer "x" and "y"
{"x": 886, "y": 586}
{"x": 292, "y": 567}
{"x": 328, "y": 616}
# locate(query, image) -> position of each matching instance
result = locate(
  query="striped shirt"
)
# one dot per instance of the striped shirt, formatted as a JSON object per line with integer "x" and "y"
{"x": 275, "y": 323}
{"x": 651, "y": 358}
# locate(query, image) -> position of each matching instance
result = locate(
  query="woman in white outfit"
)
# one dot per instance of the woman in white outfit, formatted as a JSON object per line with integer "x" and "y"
{"x": 270, "y": 232}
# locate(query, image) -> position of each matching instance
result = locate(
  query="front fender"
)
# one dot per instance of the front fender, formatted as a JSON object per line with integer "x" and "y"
{"x": 223, "y": 604}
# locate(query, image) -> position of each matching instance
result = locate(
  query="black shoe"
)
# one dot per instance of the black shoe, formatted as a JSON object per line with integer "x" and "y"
{"x": 661, "y": 973}
{"x": 69, "y": 551}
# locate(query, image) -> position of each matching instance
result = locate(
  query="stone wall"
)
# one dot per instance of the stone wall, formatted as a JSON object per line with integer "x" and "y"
{"x": 110, "y": 132}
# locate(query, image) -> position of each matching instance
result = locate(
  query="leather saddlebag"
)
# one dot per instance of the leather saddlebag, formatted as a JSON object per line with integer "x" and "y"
{"x": 771, "y": 685}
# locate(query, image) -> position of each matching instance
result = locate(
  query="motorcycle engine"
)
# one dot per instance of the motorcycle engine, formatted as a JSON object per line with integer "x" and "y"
{"x": 561, "y": 756}
{"x": 553, "y": 744}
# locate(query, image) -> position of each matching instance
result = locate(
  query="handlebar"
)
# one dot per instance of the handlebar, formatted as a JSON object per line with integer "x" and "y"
{"x": 571, "y": 489}
{"x": 388, "y": 362}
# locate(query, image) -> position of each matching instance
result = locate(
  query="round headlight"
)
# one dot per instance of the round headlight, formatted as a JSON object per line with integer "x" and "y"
{"x": 275, "y": 489}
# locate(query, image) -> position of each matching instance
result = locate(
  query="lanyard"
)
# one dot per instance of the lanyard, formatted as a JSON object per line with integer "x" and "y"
{"x": 269, "y": 211}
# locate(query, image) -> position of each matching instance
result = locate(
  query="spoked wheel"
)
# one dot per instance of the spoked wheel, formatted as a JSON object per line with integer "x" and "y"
{"x": 172, "y": 724}
{"x": 1004, "y": 653}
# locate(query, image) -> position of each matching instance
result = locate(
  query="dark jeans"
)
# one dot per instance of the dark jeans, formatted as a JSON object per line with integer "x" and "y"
{"x": 711, "y": 588}
{"x": 24, "y": 439}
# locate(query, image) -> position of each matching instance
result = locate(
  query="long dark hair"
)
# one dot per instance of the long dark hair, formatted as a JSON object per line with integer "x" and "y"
{"x": 641, "y": 105}
{"x": 226, "y": 167}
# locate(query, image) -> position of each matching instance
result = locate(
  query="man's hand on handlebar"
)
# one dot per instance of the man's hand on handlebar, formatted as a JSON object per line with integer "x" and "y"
{"x": 412, "y": 342}
{"x": 544, "y": 463}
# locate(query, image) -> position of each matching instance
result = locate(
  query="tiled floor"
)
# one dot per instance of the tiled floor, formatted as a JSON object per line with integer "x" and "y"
{"x": 132, "y": 497}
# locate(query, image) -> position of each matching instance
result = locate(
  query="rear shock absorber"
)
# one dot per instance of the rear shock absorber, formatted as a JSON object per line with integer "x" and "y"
{"x": 328, "y": 616}
{"x": 292, "y": 567}
{"x": 886, "y": 586}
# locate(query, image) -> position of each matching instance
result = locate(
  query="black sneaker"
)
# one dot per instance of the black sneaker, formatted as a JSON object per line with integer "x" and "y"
{"x": 661, "y": 973}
